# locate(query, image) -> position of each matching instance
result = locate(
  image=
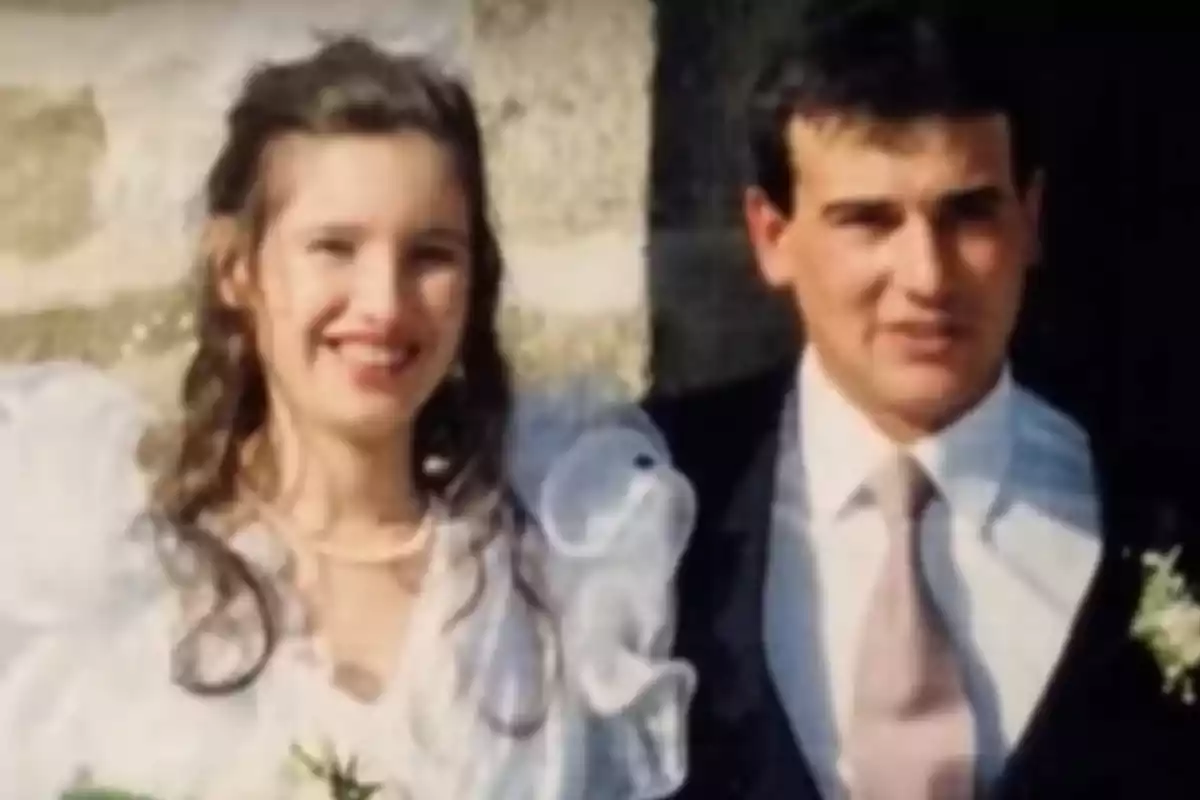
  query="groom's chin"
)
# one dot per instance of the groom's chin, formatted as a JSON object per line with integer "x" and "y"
{"x": 934, "y": 392}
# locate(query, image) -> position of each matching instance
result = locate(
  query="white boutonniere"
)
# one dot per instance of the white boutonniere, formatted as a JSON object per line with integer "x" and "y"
{"x": 1167, "y": 622}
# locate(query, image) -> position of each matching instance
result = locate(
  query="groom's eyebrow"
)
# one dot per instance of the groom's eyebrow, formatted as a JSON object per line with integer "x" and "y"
{"x": 982, "y": 198}
{"x": 860, "y": 208}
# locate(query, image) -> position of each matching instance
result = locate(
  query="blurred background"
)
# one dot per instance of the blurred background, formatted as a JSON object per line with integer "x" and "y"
{"x": 616, "y": 153}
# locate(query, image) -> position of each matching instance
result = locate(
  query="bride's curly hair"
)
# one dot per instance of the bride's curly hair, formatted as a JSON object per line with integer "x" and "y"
{"x": 348, "y": 87}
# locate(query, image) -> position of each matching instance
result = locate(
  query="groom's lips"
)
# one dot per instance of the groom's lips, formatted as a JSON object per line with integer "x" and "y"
{"x": 927, "y": 338}
{"x": 929, "y": 327}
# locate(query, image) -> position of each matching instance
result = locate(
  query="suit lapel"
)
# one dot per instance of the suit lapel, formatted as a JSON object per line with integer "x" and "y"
{"x": 1091, "y": 650}
{"x": 1098, "y": 659}
{"x": 742, "y": 743}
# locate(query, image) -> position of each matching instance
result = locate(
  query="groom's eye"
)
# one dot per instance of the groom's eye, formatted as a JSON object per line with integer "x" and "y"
{"x": 976, "y": 205}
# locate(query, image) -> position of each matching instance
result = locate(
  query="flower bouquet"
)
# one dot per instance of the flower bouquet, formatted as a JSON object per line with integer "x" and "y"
{"x": 327, "y": 777}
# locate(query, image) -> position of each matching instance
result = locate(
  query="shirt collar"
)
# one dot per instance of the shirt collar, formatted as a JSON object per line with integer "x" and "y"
{"x": 841, "y": 448}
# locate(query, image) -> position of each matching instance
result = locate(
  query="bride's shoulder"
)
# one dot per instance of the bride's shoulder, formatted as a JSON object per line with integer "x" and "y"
{"x": 72, "y": 497}
{"x": 613, "y": 516}
{"x": 69, "y": 387}
{"x": 599, "y": 479}
{"x": 552, "y": 426}
{"x": 591, "y": 466}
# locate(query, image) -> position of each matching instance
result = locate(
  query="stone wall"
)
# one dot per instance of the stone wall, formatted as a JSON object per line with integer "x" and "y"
{"x": 110, "y": 111}
{"x": 563, "y": 88}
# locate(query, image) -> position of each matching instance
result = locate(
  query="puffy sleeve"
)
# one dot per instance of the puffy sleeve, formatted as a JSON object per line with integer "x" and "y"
{"x": 616, "y": 517}
{"x": 70, "y": 490}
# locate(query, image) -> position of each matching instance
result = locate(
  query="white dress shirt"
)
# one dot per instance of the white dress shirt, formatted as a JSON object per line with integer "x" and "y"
{"x": 1009, "y": 547}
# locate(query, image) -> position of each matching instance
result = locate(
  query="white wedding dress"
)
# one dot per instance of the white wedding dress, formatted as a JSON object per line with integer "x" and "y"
{"x": 88, "y": 622}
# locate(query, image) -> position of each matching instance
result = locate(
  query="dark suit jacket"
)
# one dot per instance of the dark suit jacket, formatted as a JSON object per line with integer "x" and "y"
{"x": 1103, "y": 728}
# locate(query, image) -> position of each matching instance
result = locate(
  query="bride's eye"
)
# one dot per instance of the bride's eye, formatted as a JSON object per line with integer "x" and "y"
{"x": 338, "y": 248}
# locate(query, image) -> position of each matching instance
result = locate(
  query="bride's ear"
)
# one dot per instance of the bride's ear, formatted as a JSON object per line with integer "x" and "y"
{"x": 225, "y": 253}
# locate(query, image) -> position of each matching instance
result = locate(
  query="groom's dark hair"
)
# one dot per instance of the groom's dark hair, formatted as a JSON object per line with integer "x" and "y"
{"x": 887, "y": 60}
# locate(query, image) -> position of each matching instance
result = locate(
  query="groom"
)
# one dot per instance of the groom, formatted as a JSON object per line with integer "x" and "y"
{"x": 911, "y": 578}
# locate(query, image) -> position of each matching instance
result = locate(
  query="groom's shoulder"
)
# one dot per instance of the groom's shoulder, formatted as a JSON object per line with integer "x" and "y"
{"x": 728, "y": 401}
{"x": 719, "y": 416}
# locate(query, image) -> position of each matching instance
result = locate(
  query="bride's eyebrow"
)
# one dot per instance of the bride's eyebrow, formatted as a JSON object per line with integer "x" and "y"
{"x": 443, "y": 234}
{"x": 335, "y": 230}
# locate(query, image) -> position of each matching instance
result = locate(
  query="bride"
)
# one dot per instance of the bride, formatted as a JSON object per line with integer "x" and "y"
{"x": 355, "y": 572}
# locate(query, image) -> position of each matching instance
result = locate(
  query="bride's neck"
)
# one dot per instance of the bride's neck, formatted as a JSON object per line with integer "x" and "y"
{"x": 343, "y": 488}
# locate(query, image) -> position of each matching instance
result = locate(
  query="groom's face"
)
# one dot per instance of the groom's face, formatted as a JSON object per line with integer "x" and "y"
{"x": 906, "y": 249}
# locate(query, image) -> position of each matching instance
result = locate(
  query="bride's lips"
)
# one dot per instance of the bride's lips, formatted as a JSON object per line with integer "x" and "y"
{"x": 373, "y": 362}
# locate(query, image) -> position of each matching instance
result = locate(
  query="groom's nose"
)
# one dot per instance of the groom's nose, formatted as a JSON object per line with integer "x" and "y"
{"x": 921, "y": 259}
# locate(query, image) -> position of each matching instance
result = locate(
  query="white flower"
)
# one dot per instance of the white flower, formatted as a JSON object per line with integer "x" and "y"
{"x": 1167, "y": 622}
{"x": 1180, "y": 626}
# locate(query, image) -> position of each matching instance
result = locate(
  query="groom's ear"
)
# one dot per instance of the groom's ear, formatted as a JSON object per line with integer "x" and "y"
{"x": 767, "y": 227}
{"x": 1031, "y": 205}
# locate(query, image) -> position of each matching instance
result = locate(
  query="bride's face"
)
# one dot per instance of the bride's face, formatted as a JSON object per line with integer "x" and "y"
{"x": 362, "y": 278}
